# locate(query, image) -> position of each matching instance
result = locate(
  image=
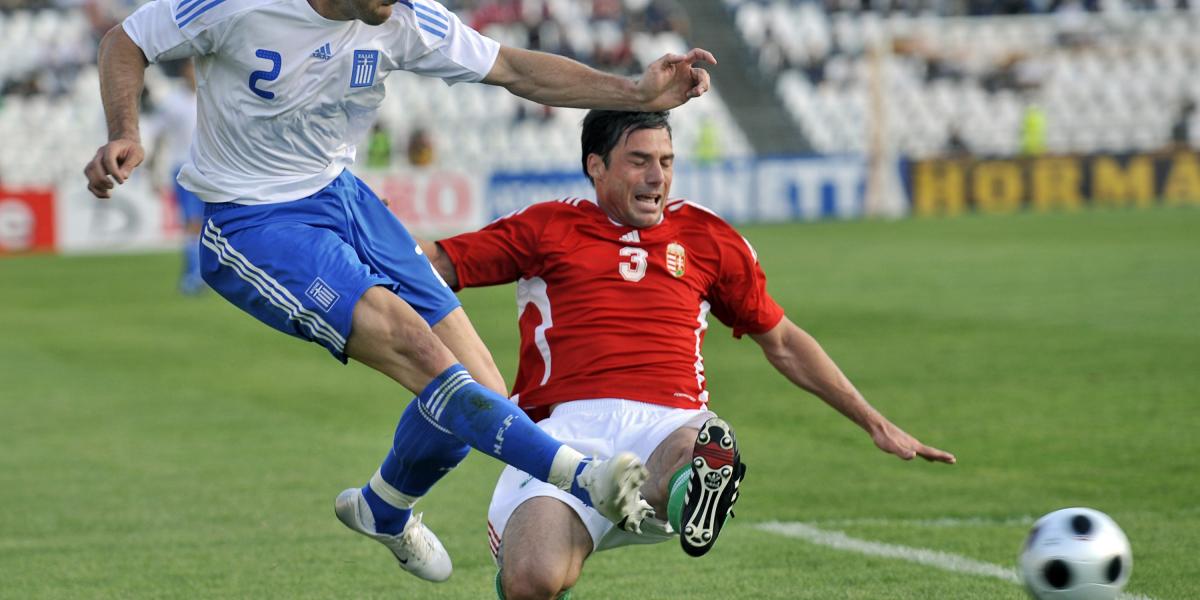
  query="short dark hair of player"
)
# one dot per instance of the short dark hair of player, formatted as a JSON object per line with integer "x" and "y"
{"x": 603, "y": 129}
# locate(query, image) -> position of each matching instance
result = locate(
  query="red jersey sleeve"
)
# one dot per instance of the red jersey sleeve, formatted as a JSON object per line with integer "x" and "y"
{"x": 502, "y": 252}
{"x": 739, "y": 297}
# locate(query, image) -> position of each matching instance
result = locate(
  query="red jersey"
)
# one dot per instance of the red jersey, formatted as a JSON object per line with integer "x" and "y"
{"x": 612, "y": 311}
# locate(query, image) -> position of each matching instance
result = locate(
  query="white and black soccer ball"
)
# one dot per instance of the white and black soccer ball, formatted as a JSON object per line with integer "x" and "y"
{"x": 1076, "y": 554}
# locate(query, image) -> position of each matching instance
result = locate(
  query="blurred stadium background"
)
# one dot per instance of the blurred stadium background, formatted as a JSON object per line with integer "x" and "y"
{"x": 818, "y": 110}
{"x": 1054, "y": 349}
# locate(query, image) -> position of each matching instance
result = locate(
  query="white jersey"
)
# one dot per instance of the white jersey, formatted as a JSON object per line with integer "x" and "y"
{"x": 283, "y": 92}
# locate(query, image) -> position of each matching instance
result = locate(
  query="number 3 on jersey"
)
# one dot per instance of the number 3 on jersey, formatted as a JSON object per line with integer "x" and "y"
{"x": 635, "y": 268}
{"x": 272, "y": 75}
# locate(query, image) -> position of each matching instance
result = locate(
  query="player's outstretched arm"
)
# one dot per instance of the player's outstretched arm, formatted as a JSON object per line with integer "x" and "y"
{"x": 122, "y": 73}
{"x": 559, "y": 81}
{"x": 441, "y": 262}
{"x": 793, "y": 352}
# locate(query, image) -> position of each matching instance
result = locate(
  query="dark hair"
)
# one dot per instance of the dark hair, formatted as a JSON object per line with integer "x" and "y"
{"x": 602, "y": 129}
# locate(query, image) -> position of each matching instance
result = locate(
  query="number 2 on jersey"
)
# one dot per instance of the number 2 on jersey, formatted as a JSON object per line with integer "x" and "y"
{"x": 635, "y": 269}
{"x": 272, "y": 75}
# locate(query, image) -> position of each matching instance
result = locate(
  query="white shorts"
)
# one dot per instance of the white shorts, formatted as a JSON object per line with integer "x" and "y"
{"x": 598, "y": 428}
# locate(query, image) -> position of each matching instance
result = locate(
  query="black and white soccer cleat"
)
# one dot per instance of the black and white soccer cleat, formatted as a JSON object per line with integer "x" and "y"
{"x": 717, "y": 472}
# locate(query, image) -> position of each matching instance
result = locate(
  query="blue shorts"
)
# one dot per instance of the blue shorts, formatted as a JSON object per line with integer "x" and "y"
{"x": 191, "y": 207}
{"x": 301, "y": 266}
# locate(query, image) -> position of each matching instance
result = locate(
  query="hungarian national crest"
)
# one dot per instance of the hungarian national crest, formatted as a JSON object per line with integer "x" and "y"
{"x": 676, "y": 259}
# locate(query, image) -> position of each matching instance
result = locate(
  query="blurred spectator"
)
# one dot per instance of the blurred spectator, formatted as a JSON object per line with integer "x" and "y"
{"x": 615, "y": 56}
{"x": 1014, "y": 72}
{"x": 420, "y": 148}
{"x": 660, "y": 16}
{"x": 708, "y": 143}
{"x": 956, "y": 146}
{"x": 1033, "y": 131}
{"x": 490, "y": 12}
{"x": 169, "y": 127}
{"x": 1181, "y": 129}
{"x": 532, "y": 111}
{"x": 607, "y": 10}
{"x": 771, "y": 56}
{"x": 379, "y": 147}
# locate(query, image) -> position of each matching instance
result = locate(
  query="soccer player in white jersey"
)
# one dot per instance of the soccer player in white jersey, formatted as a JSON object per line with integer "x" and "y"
{"x": 297, "y": 241}
{"x": 614, "y": 296}
{"x": 174, "y": 124}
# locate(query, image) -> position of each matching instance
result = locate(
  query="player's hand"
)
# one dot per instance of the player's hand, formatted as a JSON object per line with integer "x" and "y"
{"x": 114, "y": 161}
{"x": 672, "y": 80}
{"x": 893, "y": 440}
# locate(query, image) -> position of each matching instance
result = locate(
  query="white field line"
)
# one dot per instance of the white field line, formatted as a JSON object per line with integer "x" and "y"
{"x": 941, "y": 522}
{"x": 932, "y": 558}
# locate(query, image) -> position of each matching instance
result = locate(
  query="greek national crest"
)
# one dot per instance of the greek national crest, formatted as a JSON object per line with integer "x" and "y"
{"x": 676, "y": 259}
{"x": 365, "y": 62}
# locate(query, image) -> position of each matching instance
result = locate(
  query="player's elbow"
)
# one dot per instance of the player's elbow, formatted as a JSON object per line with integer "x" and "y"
{"x": 505, "y": 71}
{"x": 441, "y": 263}
{"x": 775, "y": 341}
{"x": 517, "y": 70}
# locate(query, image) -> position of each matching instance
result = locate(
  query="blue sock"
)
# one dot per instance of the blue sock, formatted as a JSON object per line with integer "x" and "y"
{"x": 421, "y": 454}
{"x": 495, "y": 426}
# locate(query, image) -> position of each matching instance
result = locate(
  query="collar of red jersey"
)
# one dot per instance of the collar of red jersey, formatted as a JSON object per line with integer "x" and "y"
{"x": 620, "y": 224}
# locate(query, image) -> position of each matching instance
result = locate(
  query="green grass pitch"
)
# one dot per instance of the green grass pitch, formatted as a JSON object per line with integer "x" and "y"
{"x": 156, "y": 446}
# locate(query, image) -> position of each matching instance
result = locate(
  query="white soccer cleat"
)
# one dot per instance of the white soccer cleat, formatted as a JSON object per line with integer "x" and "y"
{"x": 614, "y": 485}
{"x": 416, "y": 548}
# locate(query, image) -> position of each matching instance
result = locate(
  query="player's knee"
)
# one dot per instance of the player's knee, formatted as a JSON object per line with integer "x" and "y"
{"x": 533, "y": 583}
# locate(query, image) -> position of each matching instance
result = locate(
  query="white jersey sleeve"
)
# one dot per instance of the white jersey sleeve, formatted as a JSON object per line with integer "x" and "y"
{"x": 434, "y": 42}
{"x": 174, "y": 29}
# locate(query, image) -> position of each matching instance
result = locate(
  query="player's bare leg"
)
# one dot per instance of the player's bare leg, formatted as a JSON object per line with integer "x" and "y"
{"x": 671, "y": 455}
{"x": 390, "y": 337}
{"x": 623, "y": 507}
{"x": 452, "y": 410}
{"x": 542, "y": 551}
{"x": 459, "y": 335}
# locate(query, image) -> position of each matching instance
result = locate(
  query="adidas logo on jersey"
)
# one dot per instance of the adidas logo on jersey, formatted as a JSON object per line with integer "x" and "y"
{"x": 631, "y": 238}
{"x": 323, "y": 53}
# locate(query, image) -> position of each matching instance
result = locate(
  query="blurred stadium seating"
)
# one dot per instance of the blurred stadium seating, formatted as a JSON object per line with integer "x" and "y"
{"x": 955, "y": 77}
{"x": 1110, "y": 80}
{"x": 50, "y": 96}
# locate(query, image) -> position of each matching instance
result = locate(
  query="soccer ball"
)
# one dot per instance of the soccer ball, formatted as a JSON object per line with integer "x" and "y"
{"x": 1076, "y": 554}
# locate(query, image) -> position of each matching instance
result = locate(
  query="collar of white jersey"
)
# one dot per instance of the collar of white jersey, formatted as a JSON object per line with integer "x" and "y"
{"x": 309, "y": 13}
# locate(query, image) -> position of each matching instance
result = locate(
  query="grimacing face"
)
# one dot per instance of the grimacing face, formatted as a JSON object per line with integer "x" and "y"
{"x": 632, "y": 188}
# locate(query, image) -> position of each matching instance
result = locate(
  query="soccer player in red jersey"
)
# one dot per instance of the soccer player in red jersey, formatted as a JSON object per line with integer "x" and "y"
{"x": 613, "y": 297}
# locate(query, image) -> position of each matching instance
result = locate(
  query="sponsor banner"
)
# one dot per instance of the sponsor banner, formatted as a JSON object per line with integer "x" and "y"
{"x": 953, "y": 186}
{"x": 741, "y": 191}
{"x": 508, "y": 191}
{"x": 135, "y": 218}
{"x": 26, "y": 220}
{"x": 431, "y": 203}
{"x": 727, "y": 188}
{"x": 807, "y": 189}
